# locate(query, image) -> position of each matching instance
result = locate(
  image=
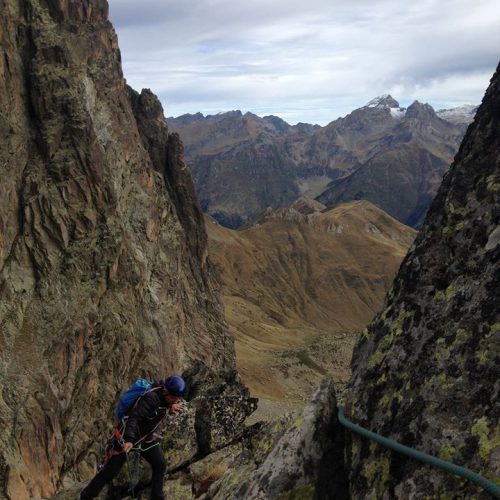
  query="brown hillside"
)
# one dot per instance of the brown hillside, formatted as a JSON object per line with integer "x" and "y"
{"x": 299, "y": 283}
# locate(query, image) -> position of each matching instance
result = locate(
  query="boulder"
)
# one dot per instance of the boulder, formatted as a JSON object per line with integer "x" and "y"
{"x": 291, "y": 458}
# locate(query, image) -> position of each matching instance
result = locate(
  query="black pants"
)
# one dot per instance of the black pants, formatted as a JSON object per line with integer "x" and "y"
{"x": 155, "y": 458}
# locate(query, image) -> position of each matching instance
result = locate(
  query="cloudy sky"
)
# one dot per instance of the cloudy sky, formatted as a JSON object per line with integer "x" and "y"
{"x": 307, "y": 60}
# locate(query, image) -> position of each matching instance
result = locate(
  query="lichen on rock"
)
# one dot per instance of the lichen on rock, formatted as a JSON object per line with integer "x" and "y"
{"x": 291, "y": 458}
{"x": 104, "y": 274}
{"x": 425, "y": 372}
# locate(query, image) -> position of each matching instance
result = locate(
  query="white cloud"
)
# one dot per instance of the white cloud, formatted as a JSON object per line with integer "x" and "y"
{"x": 307, "y": 61}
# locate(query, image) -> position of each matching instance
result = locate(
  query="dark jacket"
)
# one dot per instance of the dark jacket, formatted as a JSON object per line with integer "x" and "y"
{"x": 144, "y": 417}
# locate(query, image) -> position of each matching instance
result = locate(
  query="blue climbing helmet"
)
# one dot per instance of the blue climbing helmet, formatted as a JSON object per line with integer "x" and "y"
{"x": 175, "y": 385}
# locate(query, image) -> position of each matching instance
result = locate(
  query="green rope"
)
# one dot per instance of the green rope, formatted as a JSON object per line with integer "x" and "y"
{"x": 133, "y": 460}
{"x": 423, "y": 457}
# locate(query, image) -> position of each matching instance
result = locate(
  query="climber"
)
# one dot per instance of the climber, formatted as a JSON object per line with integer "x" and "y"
{"x": 137, "y": 432}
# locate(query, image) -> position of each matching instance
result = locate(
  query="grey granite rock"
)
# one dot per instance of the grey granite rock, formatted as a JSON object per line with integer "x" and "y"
{"x": 292, "y": 458}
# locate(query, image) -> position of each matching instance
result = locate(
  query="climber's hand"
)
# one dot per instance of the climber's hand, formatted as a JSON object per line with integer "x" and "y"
{"x": 175, "y": 408}
{"x": 127, "y": 447}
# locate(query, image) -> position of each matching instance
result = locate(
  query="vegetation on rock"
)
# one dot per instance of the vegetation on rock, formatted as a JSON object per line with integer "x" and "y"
{"x": 103, "y": 270}
{"x": 426, "y": 370}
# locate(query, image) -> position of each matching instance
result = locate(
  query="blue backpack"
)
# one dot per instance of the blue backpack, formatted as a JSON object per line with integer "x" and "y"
{"x": 131, "y": 395}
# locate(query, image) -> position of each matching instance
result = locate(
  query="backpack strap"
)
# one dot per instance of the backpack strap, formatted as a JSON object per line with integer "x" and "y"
{"x": 136, "y": 402}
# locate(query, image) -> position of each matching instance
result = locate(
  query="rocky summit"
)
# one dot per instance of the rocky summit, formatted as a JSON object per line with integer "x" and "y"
{"x": 103, "y": 253}
{"x": 392, "y": 156}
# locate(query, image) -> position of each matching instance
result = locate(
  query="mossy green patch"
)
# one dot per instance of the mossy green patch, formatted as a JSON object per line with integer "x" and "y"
{"x": 386, "y": 313}
{"x": 453, "y": 214}
{"x": 491, "y": 476}
{"x": 376, "y": 359}
{"x": 377, "y": 473}
{"x": 303, "y": 491}
{"x": 482, "y": 357}
{"x": 264, "y": 445}
{"x": 462, "y": 211}
{"x": 438, "y": 356}
{"x": 298, "y": 421}
{"x": 489, "y": 347}
{"x": 448, "y": 452}
{"x": 445, "y": 295}
{"x": 494, "y": 329}
{"x": 385, "y": 400}
{"x": 444, "y": 382}
{"x": 365, "y": 334}
{"x": 446, "y": 231}
{"x": 397, "y": 326}
{"x": 460, "y": 337}
{"x": 450, "y": 291}
{"x": 491, "y": 184}
{"x": 488, "y": 441}
{"x": 384, "y": 345}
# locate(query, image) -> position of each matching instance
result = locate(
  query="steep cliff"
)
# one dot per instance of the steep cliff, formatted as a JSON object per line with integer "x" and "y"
{"x": 425, "y": 372}
{"x": 103, "y": 252}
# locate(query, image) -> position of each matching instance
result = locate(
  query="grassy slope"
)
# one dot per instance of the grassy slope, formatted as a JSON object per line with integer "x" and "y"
{"x": 298, "y": 288}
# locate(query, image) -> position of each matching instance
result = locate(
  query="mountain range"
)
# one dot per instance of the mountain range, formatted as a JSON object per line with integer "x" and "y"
{"x": 392, "y": 156}
{"x": 106, "y": 277}
{"x": 425, "y": 371}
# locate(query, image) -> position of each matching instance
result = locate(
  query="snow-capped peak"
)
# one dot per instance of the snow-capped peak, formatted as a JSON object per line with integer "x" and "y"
{"x": 460, "y": 115}
{"x": 385, "y": 101}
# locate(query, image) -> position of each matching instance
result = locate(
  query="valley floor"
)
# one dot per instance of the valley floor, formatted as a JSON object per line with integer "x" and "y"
{"x": 284, "y": 378}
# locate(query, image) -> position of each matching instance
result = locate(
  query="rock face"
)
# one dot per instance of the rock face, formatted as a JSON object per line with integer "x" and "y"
{"x": 425, "y": 372}
{"x": 103, "y": 254}
{"x": 207, "y": 432}
{"x": 288, "y": 460}
{"x": 243, "y": 163}
{"x": 222, "y": 404}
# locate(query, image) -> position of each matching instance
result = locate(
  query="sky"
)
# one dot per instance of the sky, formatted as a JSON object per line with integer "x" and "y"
{"x": 307, "y": 60}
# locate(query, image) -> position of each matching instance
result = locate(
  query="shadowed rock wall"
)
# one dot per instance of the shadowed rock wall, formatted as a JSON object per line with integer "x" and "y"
{"x": 425, "y": 372}
{"x": 103, "y": 257}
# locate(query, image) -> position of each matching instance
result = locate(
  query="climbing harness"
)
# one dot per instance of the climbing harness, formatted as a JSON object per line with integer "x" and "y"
{"x": 109, "y": 449}
{"x": 423, "y": 457}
